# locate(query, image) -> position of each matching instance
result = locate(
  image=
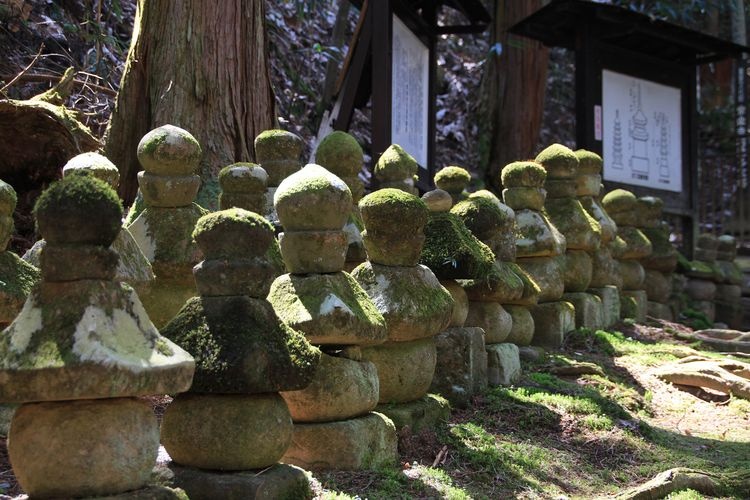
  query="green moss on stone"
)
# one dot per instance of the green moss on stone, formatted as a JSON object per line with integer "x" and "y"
{"x": 233, "y": 233}
{"x": 17, "y": 277}
{"x": 243, "y": 177}
{"x": 276, "y": 144}
{"x": 79, "y": 209}
{"x": 165, "y": 234}
{"x": 8, "y": 198}
{"x": 340, "y": 153}
{"x": 559, "y": 161}
{"x": 588, "y": 162}
{"x": 452, "y": 179}
{"x": 393, "y": 210}
{"x": 483, "y": 216}
{"x": 395, "y": 164}
{"x": 169, "y": 150}
{"x": 523, "y": 174}
{"x": 619, "y": 200}
{"x": 452, "y": 252}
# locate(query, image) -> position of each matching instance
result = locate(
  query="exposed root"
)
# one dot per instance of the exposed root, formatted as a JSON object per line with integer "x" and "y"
{"x": 727, "y": 376}
{"x": 680, "y": 478}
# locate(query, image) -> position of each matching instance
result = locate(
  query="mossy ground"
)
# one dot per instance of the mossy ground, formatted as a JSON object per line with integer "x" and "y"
{"x": 580, "y": 436}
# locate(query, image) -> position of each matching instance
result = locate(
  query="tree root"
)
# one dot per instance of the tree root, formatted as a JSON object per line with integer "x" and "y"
{"x": 681, "y": 478}
{"x": 577, "y": 368}
{"x": 727, "y": 376}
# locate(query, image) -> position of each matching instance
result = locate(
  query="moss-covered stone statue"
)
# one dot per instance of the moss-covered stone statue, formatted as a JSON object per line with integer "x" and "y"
{"x": 133, "y": 267}
{"x": 605, "y": 272}
{"x": 703, "y": 275}
{"x": 454, "y": 181}
{"x": 278, "y": 152}
{"x": 632, "y": 246}
{"x": 397, "y": 169}
{"x": 334, "y": 425}
{"x": 78, "y": 355}
{"x": 414, "y": 304}
{"x": 341, "y": 154}
{"x": 233, "y": 418}
{"x": 170, "y": 157}
{"x": 538, "y": 246}
{"x": 582, "y": 232}
{"x": 729, "y": 290}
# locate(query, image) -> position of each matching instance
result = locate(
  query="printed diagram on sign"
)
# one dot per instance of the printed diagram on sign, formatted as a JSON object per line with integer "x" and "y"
{"x": 642, "y": 136}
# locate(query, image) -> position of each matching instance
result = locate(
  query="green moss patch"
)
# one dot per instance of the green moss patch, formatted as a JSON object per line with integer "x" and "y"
{"x": 277, "y": 144}
{"x": 394, "y": 210}
{"x": 523, "y": 174}
{"x": 395, "y": 164}
{"x": 340, "y": 153}
{"x": 452, "y": 252}
{"x": 452, "y": 179}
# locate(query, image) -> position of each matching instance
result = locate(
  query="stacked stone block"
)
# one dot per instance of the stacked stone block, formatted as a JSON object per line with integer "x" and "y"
{"x": 660, "y": 265}
{"x": 703, "y": 274}
{"x": 538, "y": 246}
{"x": 341, "y": 154}
{"x": 278, "y": 152}
{"x": 133, "y": 267}
{"x": 397, "y": 169}
{"x": 170, "y": 157}
{"x": 335, "y": 427}
{"x": 626, "y": 211}
{"x": 409, "y": 296}
{"x": 604, "y": 269}
{"x": 234, "y": 419}
{"x": 729, "y": 289}
{"x": 79, "y": 354}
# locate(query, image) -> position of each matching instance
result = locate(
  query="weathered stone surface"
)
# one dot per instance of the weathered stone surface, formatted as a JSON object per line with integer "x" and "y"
{"x": 106, "y": 347}
{"x": 278, "y": 481}
{"x": 62, "y": 262}
{"x": 588, "y": 184}
{"x": 577, "y": 270}
{"x": 106, "y": 445}
{"x": 328, "y": 309}
{"x": 707, "y": 307}
{"x": 223, "y": 277}
{"x": 588, "y": 309}
{"x": 546, "y": 273}
{"x": 241, "y": 346}
{"x": 227, "y": 432}
{"x": 452, "y": 252}
{"x": 426, "y": 413}
{"x": 243, "y": 178}
{"x": 610, "y": 297}
{"x": 664, "y": 255}
{"x": 460, "y": 302}
{"x": 531, "y": 289}
{"x": 17, "y": 278}
{"x": 362, "y": 443}
{"x": 453, "y": 180}
{"x": 151, "y": 492}
{"x": 604, "y": 270}
{"x": 560, "y": 188}
{"x": 312, "y": 199}
{"x": 492, "y": 318}
{"x": 728, "y": 293}
{"x": 96, "y": 164}
{"x": 168, "y": 190}
{"x": 461, "y": 369}
{"x": 437, "y": 200}
{"x": 523, "y": 174}
{"x": 658, "y": 286}
{"x": 637, "y": 245}
{"x": 621, "y": 206}
{"x": 535, "y": 236}
{"x": 522, "y": 327}
{"x": 169, "y": 150}
{"x": 307, "y": 252}
{"x": 552, "y": 320}
{"x": 342, "y": 388}
{"x": 531, "y": 353}
{"x": 559, "y": 161}
{"x": 519, "y": 198}
{"x": 340, "y": 153}
{"x": 731, "y": 271}
{"x": 581, "y": 231}
{"x": 701, "y": 289}
{"x": 411, "y": 299}
{"x": 503, "y": 284}
{"x": 607, "y": 226}
{"x": 660, "y": 311}
{"x": 405, "y": 369}
{"x": 634, "y": 304}
{"x": 278, "y": 152}
{"x": 489, "y": 220}
{"x": 632, "y": 274}
{"x": 503, "y": 364}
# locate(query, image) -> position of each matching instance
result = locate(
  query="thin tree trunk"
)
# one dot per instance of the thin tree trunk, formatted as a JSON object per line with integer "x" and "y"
{"x": 199, "y": 65}
{"x": 512, "y": 92}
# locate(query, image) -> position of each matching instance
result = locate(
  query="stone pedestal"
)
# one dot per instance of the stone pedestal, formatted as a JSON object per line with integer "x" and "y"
{"x": 461, "y": 369}
{"x": 589, "y": 309}
{"x": 503, "y": 364}
{"x": 634, "y": 305}
{"x": 552, "y": 321}
{"x": 610, "y": 297}
{"x": 426, "y": 413}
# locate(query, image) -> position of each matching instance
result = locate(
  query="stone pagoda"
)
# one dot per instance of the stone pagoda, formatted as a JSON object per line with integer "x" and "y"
{"x": 341, "y": 154}
{"x": 604, "y": 268}
{"x": 278, "y": 152}
{"x": 623, "y": 207}
{"x": 729, "y": 291}
{"x": 170, "y": 157}
{"x": 538, "y": 246}
{"x": 659, "y": 266}
{"x": 233, "y": 419}
{"x": 410, "y": 298}
{"x": 78, "y": 356}
{"x": 582, "y": 232}
{"x": 133, "y": 267}
{"x": 334, "y": 425}
{"x": 397, "y": 169}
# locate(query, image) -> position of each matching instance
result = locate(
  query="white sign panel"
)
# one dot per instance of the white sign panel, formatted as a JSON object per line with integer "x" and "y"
{"x": 642, "y": 128}
{"x": 410, "y": 92}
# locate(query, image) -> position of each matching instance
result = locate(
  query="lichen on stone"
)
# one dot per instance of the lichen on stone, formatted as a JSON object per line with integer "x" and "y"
{"x": 243, "y": 177}
{"x": 523, "y": 174}
{"x": 340, "y": 153}
{"x": 393, "y": 209}
{"x": 395, "y": 164}
{"x": 483, "y": 216}
{"x": 277, "y": 144}
{"x": 452, "y": 179}
{"x": 233, "y": 233}
{"x": 559, "y": 161}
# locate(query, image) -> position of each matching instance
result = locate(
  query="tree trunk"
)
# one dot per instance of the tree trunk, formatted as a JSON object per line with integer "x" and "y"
{"x": 199, "y": 65}
{"x": 512, "y": 92}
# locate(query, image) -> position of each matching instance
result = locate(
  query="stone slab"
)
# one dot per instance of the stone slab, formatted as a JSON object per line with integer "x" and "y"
{"x": 660, "y": 311}
{"x": 552, "y": 320}
{"x": 426, "y": 413}
{"x": 362, "y": 443}
{"x": 503, "y": 364}
{"x": 634, "y": 305}
{"x": 589, "y": 309}
{"x": 461, "y": 369}
{"x": 277, "y": 481}
{"x": 610, "y": 297}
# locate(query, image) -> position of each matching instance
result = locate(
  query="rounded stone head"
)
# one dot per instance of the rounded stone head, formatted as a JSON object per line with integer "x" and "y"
{"x": 8, "y": 200}
{"x": 278, "y": 152}
{"x": 99, "y": 166}
{"x": 394, "y": 227}
{"x": 438, "y": 200}
{"x": 233, "y": 234}
{"x": 453, "y": 180}
{"x": 169, "y": 151}
{"x": 622, "y": 207}
{"x": 340, "y": 153}
{"x": 243, "y": 185}
{"x": 559, "y": 161}
{"x": 649, "y": 211}
{"x": 485, "y": 219}
{"x": 79, "y": 210}
{"x": 395, "y": 164}
{"x": 312, "y": 199}
{"x": 523, "y": 174}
